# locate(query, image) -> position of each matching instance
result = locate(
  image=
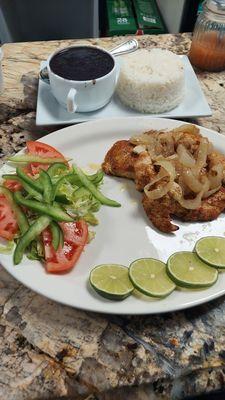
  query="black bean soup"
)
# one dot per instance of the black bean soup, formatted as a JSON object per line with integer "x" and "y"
{"x": 81, "y": 63}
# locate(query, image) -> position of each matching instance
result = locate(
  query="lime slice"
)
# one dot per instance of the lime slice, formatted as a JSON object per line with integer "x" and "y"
{"x": 111, "y": 281}
{"x": 186, "y": 269}
{"x": 211, "y": 249}
{"x": 149, "y": 277}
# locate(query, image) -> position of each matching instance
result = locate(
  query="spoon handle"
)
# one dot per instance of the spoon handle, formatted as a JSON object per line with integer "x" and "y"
{"x": 123, "y": 48}
{"x": 126, "y": 47}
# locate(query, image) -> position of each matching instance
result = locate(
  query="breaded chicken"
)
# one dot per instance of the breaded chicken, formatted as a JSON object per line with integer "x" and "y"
{"x": 216, "y": 158}
{"x": 191, "y": 141}
{"x": 160, "y": 212}
{"x": 122, "y": 161}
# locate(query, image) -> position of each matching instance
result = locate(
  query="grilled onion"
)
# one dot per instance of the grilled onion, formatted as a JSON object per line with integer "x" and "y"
{"x": 210, "y": 192}
{"x": 202, "y": 154}
{"x": 168, "y": 167}
{"x": 191, "y": 181}
{"x": 158, "y": 192}
{"x": 162, "y": 174}
{"x": 215, "y": 175}
{"x": 190, "y": 204}
{"x": 185, "y": 157}
{"x": 140, "y": 148}
{"x": 190, "y": 128}
{"x": 167, "y": 143}
{"x": 188, "y": 165}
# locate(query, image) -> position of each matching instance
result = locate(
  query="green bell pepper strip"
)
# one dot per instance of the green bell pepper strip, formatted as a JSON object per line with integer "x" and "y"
{"x": 34, "y": 230}
{"x": 32, "y": 192}
{"x": 91, "y": 187}
{"x": 55, "y": 212}
{"x": 13, "y": 177}
{"x": 29, "y": 158}
{"x": 57, "y": 236}
{"x": 75, "y": 180}
{"x": 96, "y": 178}
{"x": 47, "y": 186}
{"x": 29, "y": 189}
{"x": 32, "y": 182}
{"x": 35, "y": 183}
{"x": 56, "y": 169}
{"x": 21, "y": 218}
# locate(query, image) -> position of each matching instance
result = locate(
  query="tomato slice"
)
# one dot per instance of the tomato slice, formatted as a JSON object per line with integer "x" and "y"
{"x": 15, "y": 186}
{"x": 12, "y": 185}
{"x": 44, "y": 150}
{"x": 8, "y": 224}
{"x": 75, "y": 238}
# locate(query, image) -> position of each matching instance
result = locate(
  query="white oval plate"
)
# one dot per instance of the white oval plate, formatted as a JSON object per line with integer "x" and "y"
{"x": 123, "y": 234}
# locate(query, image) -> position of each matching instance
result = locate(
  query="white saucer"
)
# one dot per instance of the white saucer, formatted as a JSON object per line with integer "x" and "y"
{"x": 194, "y": 104}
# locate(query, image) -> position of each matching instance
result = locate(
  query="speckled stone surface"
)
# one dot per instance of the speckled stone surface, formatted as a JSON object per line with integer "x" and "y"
{"x": 49, "y": 351}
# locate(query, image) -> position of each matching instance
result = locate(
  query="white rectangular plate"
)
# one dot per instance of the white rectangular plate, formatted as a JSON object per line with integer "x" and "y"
{"x": 194, "y": 104}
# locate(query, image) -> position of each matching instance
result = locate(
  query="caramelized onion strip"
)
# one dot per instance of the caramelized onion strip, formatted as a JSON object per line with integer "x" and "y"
{"x": 202, "y": 155}
{"x": 191, "y": 181}
{"x": 210, "y": 192}
{"x": 168, "y": 167}
{"x": 189, "y": 204}
{"x": 215, "y": 176}
{"x": 185, "y": 157}
{"x": 190, "y": 128}
{"x": 159, "y": 192}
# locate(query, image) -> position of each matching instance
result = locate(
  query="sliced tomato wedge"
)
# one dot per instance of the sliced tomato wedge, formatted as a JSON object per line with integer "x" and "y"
{"x": 12, "y": 185}
{"x": 8, "y": 224}
{"x": 75, "y": 238}
{"x": 44, "y": 150}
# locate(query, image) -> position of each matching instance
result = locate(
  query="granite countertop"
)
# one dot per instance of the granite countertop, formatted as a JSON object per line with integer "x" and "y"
{"x": 50, "y": 351}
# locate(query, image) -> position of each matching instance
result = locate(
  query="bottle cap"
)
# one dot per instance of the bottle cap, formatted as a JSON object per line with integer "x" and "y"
{"x": 216, "y": 6}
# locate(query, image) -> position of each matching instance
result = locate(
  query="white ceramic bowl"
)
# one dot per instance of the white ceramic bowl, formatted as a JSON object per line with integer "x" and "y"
{"x": 83, "y": 96}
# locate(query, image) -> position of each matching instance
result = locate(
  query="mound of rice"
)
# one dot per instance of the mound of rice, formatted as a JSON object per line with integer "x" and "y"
{"x": 151, "y": 81}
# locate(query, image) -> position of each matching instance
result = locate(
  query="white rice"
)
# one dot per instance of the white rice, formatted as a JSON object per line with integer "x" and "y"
{"x": 151, "y": 81}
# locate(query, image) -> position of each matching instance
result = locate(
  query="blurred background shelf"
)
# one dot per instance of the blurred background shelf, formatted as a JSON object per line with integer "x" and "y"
{"x": 179, "y": 15}
{"x": 30, "y": 20}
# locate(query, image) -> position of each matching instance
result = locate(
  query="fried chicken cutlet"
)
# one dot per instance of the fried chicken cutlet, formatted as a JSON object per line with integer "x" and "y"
{"x": 160, "y": 212}
{"x": 121, "y": 160}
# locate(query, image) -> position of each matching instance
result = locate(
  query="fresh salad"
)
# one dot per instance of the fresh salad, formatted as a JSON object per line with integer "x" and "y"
{"x": 47, "y": 206}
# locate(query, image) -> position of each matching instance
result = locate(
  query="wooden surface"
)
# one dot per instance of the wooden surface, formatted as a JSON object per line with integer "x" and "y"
{"x": 48, "y": 350}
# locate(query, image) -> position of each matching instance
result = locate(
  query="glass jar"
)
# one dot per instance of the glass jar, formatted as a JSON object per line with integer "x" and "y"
{"x": 208, "y": 44}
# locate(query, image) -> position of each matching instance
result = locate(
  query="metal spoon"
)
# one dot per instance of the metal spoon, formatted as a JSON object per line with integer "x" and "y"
{"x": 126, "y": 47}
